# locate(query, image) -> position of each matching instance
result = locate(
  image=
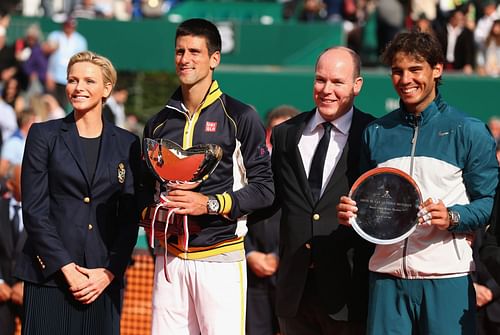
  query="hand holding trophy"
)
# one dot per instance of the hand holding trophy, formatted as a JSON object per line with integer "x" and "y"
{"x": 175, "y": 168}
{"x": 388, "y": 202}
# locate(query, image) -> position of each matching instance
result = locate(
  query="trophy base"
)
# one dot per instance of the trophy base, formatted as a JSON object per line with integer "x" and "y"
{"x": 175, "y": 226}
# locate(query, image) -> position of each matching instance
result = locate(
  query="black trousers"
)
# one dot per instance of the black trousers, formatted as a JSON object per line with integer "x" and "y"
{"x": 8, "y": 313}
{"x": 311, "y": 318}
{"x": 261, "y": 316}
{"x": 54, "y": 311}
{"x": 485, "y": 326}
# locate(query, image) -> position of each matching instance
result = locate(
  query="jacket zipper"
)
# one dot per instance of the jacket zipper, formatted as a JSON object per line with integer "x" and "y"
{"x": 412, "y": 156}
{"x": 175, "y": 109}
{"x": 189, "y": 120}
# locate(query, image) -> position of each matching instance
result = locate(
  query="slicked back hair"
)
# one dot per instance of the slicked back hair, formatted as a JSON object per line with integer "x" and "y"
{"x": 108, "y": 70}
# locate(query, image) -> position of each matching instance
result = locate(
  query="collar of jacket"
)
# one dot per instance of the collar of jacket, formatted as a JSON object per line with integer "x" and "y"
{"x": 213, "y": 93}
{"x": 435, "y": 107}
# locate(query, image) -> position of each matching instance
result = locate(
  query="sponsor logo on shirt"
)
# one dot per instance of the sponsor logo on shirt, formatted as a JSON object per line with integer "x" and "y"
{"x": 210, "y": 127}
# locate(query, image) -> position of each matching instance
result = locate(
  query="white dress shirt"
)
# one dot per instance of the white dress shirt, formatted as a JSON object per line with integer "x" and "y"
{"x": 312, "y": 135}
{"x": 453, "y": 33}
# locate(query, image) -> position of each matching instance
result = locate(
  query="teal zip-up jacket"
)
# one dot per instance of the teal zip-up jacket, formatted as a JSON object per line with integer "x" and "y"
{"x": 451, "y": 156}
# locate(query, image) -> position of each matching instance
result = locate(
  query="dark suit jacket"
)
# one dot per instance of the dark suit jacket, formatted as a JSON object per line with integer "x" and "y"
{"x": 489, "y": 250}
{"x": 263, "y": 236}
{"x": 482, "y": 276}
{"x": 465, "y": 47}
{"x": 9, "y": 251}
{"x": 310, "y": 233}
{"x": 68, "y": 216}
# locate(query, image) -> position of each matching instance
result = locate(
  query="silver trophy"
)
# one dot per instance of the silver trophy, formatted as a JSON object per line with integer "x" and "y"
{"x": 388, "y": 201}
{"x": 175, "y": 168}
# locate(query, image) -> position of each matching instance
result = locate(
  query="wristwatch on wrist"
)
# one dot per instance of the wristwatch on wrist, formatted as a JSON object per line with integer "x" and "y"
{"x": 213, "y": 205}
{"x": 454, "y": 218}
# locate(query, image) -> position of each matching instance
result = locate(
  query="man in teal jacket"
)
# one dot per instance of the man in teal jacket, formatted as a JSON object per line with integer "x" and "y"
{"x": 422, "y": 285}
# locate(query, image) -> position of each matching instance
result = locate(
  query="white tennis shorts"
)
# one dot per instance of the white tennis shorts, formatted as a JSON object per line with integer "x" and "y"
{"x": 201, "y": 297}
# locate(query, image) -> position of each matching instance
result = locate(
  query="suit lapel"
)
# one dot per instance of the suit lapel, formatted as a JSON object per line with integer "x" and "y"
{"x": 342, "y": 165}
{"x": 72, "y": 140}
{"x": 105, "y": 152}
{"x": 293, "y": 137}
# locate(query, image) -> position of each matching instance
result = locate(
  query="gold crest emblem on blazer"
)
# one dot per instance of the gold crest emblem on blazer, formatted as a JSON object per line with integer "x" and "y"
{"x": 121, "y": 173}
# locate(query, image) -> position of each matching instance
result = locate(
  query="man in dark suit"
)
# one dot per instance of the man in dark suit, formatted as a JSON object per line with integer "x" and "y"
{"x": 11, "y": 241}
{"x": 320, "y": 288}
{"x": 458, "y": 44}
{"x": 487, "y": 293}
{"x": 487, "y": 275}
{"x": 489, "y": 251}
{"x": 261, "y": 249}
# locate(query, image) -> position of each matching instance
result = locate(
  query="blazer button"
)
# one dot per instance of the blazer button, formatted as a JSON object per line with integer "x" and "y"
{"x": 308, "y": 246}
{"x": 86, "y": 200}
{"x": 90, "y": 227}
{"x": 316, "y": 217}
{"x": 42, "y": 265}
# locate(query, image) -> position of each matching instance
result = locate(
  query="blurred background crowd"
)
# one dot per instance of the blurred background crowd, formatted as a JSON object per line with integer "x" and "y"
{"x": 469, "y": 30}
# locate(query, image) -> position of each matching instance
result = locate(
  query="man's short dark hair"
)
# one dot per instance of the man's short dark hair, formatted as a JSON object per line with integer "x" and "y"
{"x": 201, "y": 28}
{"x": 420, "y": 45}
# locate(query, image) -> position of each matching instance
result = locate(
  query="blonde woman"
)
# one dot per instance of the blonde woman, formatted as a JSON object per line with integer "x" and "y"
{"x": 79, "y": 210}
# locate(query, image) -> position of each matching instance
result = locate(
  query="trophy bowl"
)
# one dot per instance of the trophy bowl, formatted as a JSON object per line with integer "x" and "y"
{"x": 177, "y": 168}
{"x": 388, "y": 201}
{"x": 181, "y": 168}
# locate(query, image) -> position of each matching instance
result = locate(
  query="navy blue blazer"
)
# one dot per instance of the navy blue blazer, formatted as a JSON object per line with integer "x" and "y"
{"x": 69, "y": 217}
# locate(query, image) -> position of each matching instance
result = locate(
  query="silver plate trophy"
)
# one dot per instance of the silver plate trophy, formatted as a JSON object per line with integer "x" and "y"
{"x": 175, "y": 168}
{"x": 387, "y": 201}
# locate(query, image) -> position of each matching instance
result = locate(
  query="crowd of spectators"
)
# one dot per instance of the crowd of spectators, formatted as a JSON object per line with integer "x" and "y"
{"x": 33, "y": 75}
{"x": 123, "y": 10}
{"x": 469, "y": 30}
